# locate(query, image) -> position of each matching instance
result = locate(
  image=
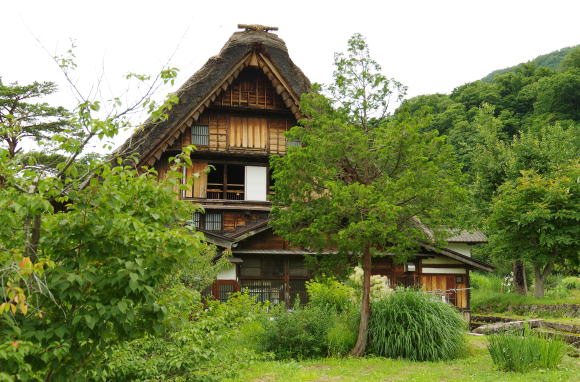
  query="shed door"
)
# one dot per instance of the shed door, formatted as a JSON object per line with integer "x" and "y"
{"x": 255, "y": 185}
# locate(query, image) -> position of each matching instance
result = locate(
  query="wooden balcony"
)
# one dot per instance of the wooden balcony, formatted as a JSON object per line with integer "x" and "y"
{"x": 229, "y": 192}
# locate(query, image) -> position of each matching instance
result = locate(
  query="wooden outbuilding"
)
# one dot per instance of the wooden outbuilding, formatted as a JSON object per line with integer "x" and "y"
{"x": 235, "y": 110}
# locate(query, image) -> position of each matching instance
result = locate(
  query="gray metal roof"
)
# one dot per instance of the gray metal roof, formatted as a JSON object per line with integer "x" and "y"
{"x": 468, "y": 237}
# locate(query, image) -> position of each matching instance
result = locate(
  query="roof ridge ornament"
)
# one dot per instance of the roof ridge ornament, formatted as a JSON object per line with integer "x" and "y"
{"x": 257, "y": 27}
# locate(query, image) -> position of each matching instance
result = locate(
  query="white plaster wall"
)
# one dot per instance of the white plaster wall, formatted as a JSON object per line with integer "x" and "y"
{"x": 228, "y": 274}
{"x": 454, "y": 271}
{"x": 440, "y": 260}
{"x": 463, "y": 248}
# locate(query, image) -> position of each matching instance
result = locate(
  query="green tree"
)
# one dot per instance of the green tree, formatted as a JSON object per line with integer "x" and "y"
{"x": 571, "y": 60}
{"x": 559, "y": 96}
{"x": 364, "y": 189}
{"x": 495, "y": 161}
{"x": 21, "y": 116}
{"x": 85, "y": 245}
{"x": 536, "y": 218}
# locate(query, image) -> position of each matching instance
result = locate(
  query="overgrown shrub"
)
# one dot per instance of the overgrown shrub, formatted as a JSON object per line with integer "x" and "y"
{"x": 196, "y": 344}
{"x": 525, "y": 351}
{"x": 342, "y": 333}
{"x": 496, "y": 302}
{"x": 330, "y": 295}
{"x": 296, "y": 334}
{"x": 340, "y": 302}
{"x": 413, "y": 325}
{"x": 488, "y": 283}
{"x": 571, "y": 282}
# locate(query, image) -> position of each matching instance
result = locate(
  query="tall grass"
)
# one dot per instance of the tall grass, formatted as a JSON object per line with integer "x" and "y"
{"x": 413, "y": 325}
{"x": 488, "y": 283}
{"x": 488, "y": 297}
{"x": 525, "y": 351}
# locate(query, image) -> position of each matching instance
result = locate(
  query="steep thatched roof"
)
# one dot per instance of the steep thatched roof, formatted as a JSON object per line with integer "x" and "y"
{"x": 246, "y": 48}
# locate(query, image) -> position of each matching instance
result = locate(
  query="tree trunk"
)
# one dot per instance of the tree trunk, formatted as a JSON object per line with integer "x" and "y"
{"x": 32, "y": 230}
{"x": 540, "y": 275}
{"x": 520, "y": 283}
{"x": 365, "y": 309}
{"x": 538, "y": 282}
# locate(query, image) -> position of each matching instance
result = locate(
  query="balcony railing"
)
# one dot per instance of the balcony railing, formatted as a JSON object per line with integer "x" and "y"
{"x": 229, "y": 192}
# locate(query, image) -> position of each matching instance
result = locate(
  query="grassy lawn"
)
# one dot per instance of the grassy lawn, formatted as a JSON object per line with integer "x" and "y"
{"x": 477, "y": 366}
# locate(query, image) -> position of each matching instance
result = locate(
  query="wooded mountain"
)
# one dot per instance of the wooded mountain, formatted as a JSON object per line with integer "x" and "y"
{"x": 551, "y": 60}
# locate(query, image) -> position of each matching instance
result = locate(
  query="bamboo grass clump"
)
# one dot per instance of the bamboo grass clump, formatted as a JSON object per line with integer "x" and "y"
{"x": 413, "y": 325}
{"x": 525, "y": 350}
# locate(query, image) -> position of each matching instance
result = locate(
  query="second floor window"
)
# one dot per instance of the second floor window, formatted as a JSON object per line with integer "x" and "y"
{"x": 210, "y": 221}
{"x": 200, "y": 135}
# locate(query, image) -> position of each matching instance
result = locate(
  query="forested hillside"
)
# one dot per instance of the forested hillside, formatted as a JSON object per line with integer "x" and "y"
{"x": 517, "y": 135}
{"x": 551, "y": 60}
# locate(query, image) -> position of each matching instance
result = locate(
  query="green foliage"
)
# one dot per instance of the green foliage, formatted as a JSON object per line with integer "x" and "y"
{"x": 485, "y": 283}
{"x": 496, "y": 302}
{"x": 571, "y": 282}
{"x": 342, "y": 334}
{"x": 85, "y": 245}
{"x": 22, "y": 116}
{"x": 13, "y": 358}
{"x": 537, "y": 218}
{"x": 330, "y": 295}
{"x": 362, "y": 183}
{"x": 558, "y": 95}
{"x": 414, "y": 325}
{"x": 553, "y": 60}
{"x": 572, "y": 60}
{"x": 110, "y": 256}
{"x": 339, "y": 302}
{"x": 297, "y": 334}
{"x": 525, "y": 351}
{"x": 204, "y": 347}
{"x": 489, "y": 296}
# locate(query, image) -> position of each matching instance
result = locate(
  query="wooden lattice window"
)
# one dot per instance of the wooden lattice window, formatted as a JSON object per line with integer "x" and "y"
{"x": 264, "y": 290}
{"x": 213, "y": 221}
{"x": 210, "y": 221}
{"x": 200, "y": 135}
{"x": 197, "y": 220}
{"x": 222, "y": 289}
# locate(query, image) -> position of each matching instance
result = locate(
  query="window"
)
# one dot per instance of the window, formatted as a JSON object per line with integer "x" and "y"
{"x": 210, "y": 221}
{"x": 197, "y": 220}
{"x": 294, "y": 143}
{"x": 226, "y": 181}
{"x": 279, "y": 279}
{"x": 297, "y": 267}
{"x": 213, "y": 221}
{"x": 200, "y": 135}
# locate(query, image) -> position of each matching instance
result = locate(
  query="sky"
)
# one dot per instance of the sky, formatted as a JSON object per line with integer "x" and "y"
{"x": 430, "y": 46}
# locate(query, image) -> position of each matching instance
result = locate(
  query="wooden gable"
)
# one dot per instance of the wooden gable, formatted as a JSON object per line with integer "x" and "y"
{"x": 251, "y": 90}
{"x": 249, "y": 116}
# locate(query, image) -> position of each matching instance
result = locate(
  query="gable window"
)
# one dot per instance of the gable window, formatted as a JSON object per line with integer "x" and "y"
{"x": 200, "y": 135}
{"x": 210, "y": 221}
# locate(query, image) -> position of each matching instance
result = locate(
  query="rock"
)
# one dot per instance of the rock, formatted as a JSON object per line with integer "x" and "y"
{"x": 505, "y": 326}
{"x": 569, "y": 328}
